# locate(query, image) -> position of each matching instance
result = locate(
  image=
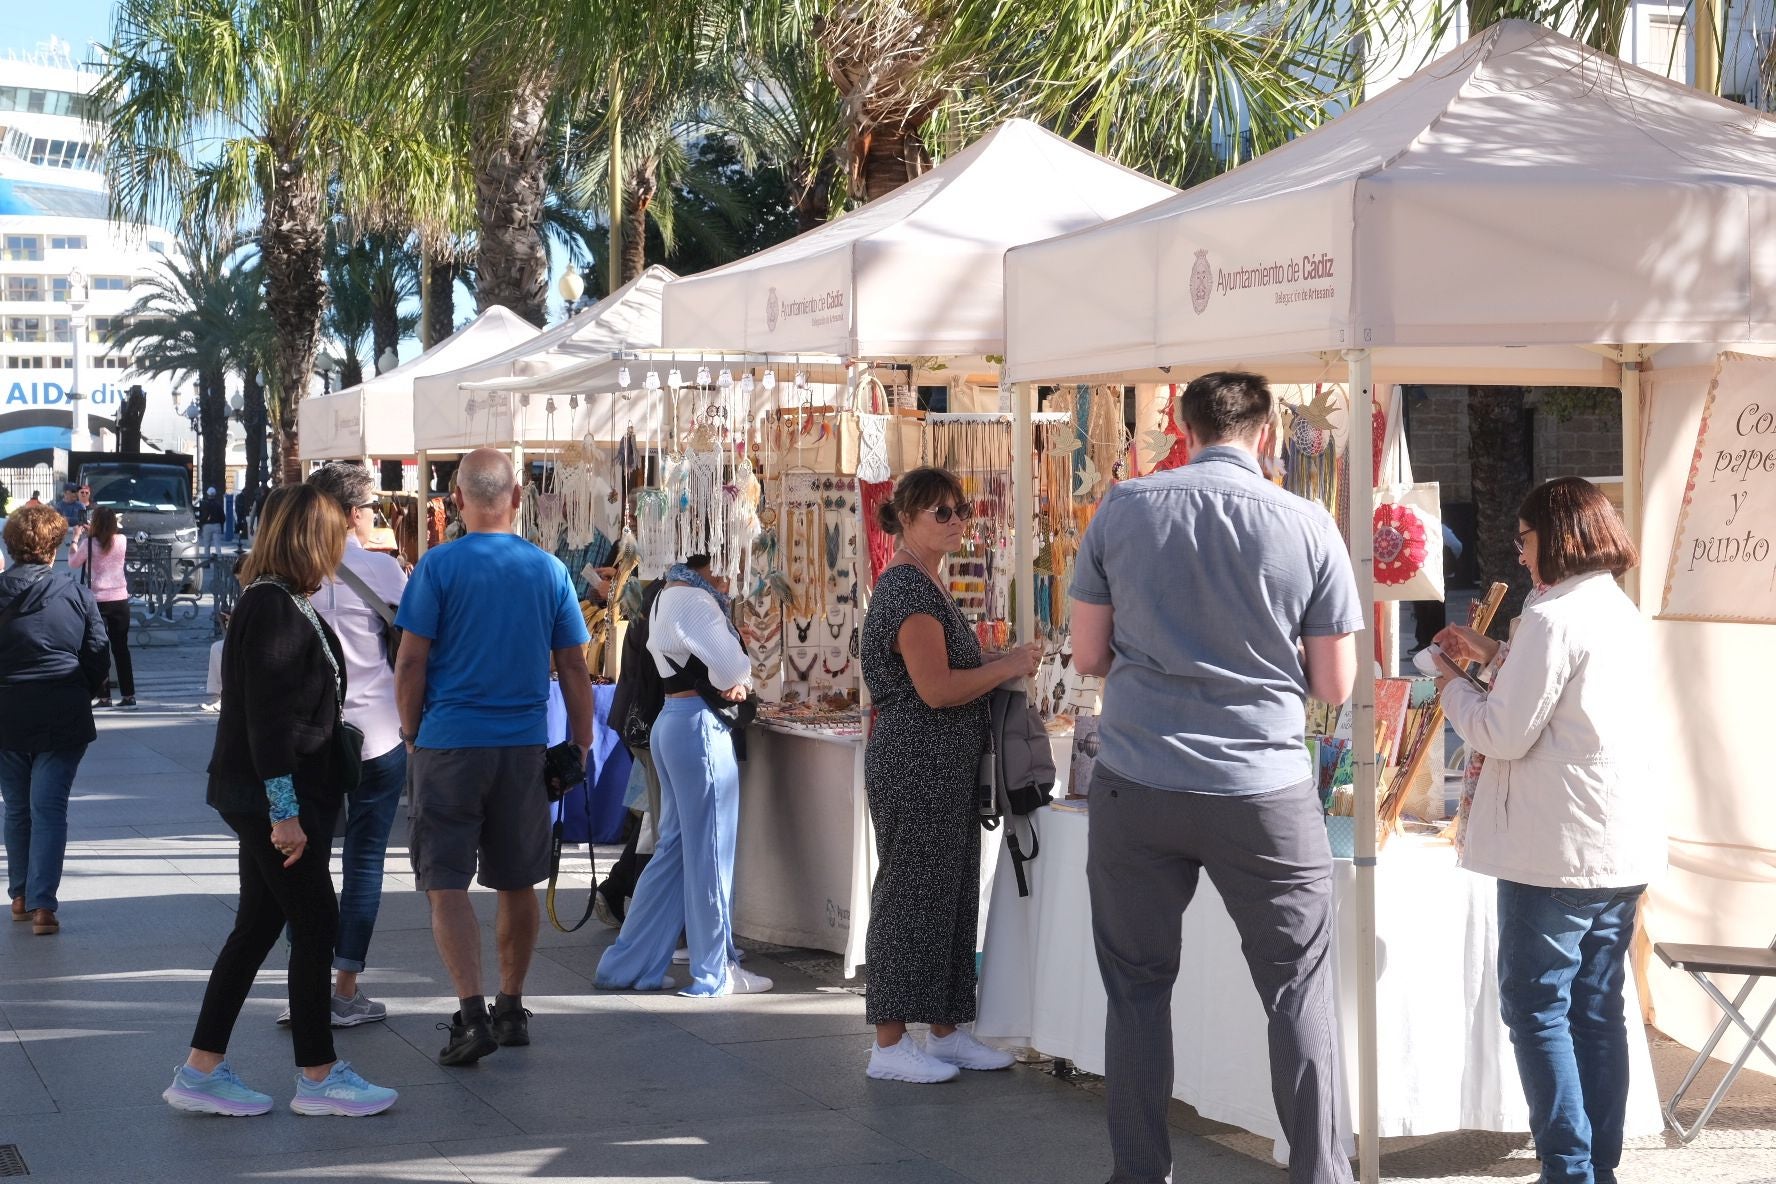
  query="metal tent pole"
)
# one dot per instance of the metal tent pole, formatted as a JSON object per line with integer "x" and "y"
{"x": 1023, "y": 451}
{"x": 1362, "y": 536}
{"x": 1633, "y": 434}
{"x": 425, "y": 503}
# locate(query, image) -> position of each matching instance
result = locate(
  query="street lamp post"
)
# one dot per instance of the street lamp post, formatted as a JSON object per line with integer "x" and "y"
{"x": 194, "y": 413}
{"x": 79, "y": 440}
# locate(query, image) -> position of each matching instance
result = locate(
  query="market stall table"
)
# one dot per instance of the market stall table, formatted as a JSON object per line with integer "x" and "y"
{"x": 806, "y": 856}
{"x": 1446, "y": 1060}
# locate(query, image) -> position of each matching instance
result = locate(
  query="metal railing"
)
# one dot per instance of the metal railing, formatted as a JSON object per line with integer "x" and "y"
{"x": 157, "y": 587}
{"x": 225, "y": 584}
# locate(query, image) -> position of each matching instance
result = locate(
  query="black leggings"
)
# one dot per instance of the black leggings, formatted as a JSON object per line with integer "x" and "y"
{"x": 271, "y": 897}
{"x": 116, "y": 615}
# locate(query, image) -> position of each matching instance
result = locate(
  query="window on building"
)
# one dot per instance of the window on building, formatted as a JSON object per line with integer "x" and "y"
{"x": 24, "y": 247}
{"x": 24, "y": 328}
{"x": 110, "y": 283}
{"x": 1665, "y": 45}
{"x": 60, "y": 329}
{"x": 67, "y": 242}
{"x": 24, "y": 287}
{"x": 158, "y": 247}
{"x": 113, "y": 362}
{"x": 100, "y": 328}
{"x": 25, "y": 362}
{"x": 58, "y": 288}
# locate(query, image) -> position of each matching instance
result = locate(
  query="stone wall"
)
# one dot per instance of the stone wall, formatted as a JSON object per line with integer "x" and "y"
{"x": 1587, "y": 444}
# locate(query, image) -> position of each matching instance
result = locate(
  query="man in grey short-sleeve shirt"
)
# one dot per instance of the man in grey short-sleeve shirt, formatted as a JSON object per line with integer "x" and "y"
{"x": 1214, "y": 603}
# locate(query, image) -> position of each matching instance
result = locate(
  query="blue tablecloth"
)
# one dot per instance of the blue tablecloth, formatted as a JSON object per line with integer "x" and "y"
{"x": 596, "y": 811}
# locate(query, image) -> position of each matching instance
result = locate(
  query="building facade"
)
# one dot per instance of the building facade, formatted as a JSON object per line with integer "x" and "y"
{"x": 54, "y": 232}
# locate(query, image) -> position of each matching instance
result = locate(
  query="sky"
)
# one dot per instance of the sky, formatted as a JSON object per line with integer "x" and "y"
{"x": 23, "y": 23}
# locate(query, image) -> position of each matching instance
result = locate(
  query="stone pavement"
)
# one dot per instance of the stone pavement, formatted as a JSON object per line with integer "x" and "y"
{"x": 617, "y": 1088}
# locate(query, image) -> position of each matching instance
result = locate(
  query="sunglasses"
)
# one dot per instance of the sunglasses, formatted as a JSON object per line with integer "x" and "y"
{"x": 944, "y": 513}
{"x": 365, "y": 506}
{"x": 1519, "y": 539}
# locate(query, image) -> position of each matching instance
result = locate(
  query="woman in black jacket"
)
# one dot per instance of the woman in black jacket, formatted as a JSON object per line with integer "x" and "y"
{"x": 275, "y": 779}
{"x": 53, "y": 659}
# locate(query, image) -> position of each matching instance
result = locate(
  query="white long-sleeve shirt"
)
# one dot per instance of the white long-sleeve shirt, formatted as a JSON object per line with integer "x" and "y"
{"x": 1570, "y": 795}
{"x": 369, "y": 680}
{"x": 687, "y": 623}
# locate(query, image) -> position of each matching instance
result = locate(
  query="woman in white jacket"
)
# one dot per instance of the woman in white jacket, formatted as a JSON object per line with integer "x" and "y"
{"x": 1565, "y": 813}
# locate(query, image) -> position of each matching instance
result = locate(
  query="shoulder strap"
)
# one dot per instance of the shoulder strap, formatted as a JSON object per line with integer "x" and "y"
{"x": 355, "y": 582}
{"x": 307, "y": 610}
{"x": 555, "y": 860}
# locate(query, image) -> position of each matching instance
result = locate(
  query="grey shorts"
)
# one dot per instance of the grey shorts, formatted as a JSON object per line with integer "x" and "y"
{"x": 478, "y": 807}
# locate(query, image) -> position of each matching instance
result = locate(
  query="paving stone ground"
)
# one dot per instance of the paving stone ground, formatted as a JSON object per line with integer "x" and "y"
{"x": 617, "y": 1089}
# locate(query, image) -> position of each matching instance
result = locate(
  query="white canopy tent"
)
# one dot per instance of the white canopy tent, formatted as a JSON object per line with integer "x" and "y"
{"x": 375, "y": 418}
{"x": 605, "y": 397}
{"x": 450, "y": 416}
{"x": 1523, "y": 210}
{"x": 913, "y": 274}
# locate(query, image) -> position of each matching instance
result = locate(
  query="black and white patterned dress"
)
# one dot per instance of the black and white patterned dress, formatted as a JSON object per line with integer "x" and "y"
{"x": 919, "y": 772}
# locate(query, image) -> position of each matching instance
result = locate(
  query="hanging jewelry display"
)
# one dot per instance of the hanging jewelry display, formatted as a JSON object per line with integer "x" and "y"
{"x": 655, "y": 537}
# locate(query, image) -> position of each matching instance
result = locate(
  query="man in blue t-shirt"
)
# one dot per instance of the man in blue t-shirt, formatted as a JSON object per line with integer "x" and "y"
{"x": 1215, "y": 603}
{"x": 483, "y": 617}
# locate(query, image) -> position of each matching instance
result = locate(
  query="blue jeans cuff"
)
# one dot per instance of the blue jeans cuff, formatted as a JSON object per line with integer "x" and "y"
{"x": 349, "y": 965}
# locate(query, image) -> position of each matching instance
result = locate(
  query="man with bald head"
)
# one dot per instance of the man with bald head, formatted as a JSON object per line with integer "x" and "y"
{"x": 483, "y": 616}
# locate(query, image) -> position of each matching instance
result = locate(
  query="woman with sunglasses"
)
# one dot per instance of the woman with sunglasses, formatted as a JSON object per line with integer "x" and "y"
{"x": 928, "y": 682}
{"x": 1565, "y": 814}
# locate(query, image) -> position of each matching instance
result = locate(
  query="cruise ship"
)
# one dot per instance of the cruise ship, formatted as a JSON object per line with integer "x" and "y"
{"x": 54, "y": 231}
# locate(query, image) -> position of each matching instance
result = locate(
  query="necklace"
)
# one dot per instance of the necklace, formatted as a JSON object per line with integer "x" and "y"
{"x": 830, "y": 672}
{"x": 833, "y": 534}
{"x": 801, "y": 672}
{"x": 802, "y": 630}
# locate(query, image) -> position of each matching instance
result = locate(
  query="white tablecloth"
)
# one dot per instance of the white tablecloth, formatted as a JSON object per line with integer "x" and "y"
{"x": 805, "y": 856}
{"x": 1445, "y": 1058}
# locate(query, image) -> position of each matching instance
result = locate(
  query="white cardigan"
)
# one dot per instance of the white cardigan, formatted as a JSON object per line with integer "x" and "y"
{"x": 1570, "y": 795}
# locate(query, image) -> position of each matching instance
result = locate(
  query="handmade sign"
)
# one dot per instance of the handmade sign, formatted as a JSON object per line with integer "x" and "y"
{"x": 1723, "y": 557}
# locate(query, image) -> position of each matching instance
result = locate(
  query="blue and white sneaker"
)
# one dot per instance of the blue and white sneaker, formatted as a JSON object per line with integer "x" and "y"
{"x": 219, "y": 1091}
{"x": 342, "y": 1091}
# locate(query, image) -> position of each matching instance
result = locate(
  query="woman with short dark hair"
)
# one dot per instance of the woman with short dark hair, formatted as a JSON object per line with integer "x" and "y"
{"x": 275, "y": 778}
{"x": 1565, "y": 813}
{"x": 928, "y": 682}
{"x": 99, "y": 551}
{"x": 53, "y": 659}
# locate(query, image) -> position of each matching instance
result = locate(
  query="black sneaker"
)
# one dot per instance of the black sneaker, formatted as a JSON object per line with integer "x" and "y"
{"x": 511, "y": 1027}
{"x": 127, "y": 703}
{"x": 469, "y": 1042}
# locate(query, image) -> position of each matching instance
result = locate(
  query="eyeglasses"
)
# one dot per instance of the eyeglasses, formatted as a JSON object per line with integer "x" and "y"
{"x": 944, "y": 513}
{"x": 1521, "y": 535}
{"x": 364, "y": 506}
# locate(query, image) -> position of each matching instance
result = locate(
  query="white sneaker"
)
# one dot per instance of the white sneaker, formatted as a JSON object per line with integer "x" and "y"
{"x": 906, "y": 1061}
{"x": 682, "y": 956}
{"x": 745, "y": 982}
{"x": 961, "y": 1049}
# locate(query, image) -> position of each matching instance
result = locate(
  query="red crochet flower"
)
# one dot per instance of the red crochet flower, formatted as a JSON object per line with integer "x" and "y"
{"x": 1400, "y": 546}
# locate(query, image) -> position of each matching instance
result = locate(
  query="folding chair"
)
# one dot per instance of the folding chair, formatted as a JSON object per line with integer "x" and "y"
{"x": 1755, "y": 964}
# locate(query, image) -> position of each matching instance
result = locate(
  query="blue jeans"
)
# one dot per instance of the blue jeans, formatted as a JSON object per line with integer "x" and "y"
{"x": 1563, "y": 958}
{"x": 688, "y": 885}
{"x": 367, "y": 823}
{"x": 35, "y": 786}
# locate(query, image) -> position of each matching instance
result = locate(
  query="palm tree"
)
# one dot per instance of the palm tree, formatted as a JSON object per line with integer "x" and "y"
{"x": 178, "y": 327}
{"x": 220, "y": 110}
{"x": 781, "y": 108}
{"x": 514, "y": 66}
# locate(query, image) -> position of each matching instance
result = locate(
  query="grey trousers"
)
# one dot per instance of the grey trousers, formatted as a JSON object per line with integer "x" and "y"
{"x": 1268, "y": 857}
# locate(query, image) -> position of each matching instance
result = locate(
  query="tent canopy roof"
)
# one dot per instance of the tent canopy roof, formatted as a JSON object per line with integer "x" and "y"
{"x": 915, "y": 273}
{"x": 1522, "y": 190}
{"x": 375, "y": 417}
{"x": 446, "y": 412}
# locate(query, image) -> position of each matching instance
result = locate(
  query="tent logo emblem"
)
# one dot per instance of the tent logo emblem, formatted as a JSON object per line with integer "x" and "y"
{"x": 1202, "y": 282}
{"x": 771, "y": 310}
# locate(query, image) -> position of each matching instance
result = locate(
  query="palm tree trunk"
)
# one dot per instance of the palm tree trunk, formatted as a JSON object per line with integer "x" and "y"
{"x": 438, "y": 311}
{"x": 292, "y": 242}
{"x": 212, "y": 401}
{"x": 891, "y": 156}
{"x": 512, "y": 267}
{"x": 351, "y": 370}
{"x": 643, "y": 184}
{"x": 253, "y": 424}
{"x": 813, "y": 198}
{"x": 1499, "y": 457}
{"x": 385, "y": 327}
